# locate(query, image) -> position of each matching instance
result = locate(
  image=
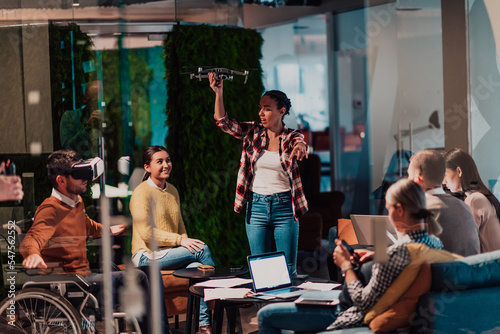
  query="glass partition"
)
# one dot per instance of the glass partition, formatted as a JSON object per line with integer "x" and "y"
{"x": 299, "y": 68}
{"x": 85, "y": 75}
{"x": 90, "y": 75}
{"x": 484, "y": 39}
{"x": 389, "y": 96}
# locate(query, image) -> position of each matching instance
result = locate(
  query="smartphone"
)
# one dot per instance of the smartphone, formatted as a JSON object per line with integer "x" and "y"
{"x": 349, "y": 248}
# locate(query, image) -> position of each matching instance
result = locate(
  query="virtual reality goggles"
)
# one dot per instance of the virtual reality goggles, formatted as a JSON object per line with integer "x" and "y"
{"x": 89, "y": 169}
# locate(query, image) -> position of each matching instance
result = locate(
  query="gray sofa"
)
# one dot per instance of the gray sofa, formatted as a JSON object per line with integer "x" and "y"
{"x": 464, "y": 298}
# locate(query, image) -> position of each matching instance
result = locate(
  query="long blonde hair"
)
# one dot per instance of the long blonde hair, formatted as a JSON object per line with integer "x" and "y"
{"x": 411, "y": 196}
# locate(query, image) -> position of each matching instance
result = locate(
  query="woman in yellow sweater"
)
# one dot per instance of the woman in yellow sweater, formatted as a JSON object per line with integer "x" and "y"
{"x": 157, "y": 201}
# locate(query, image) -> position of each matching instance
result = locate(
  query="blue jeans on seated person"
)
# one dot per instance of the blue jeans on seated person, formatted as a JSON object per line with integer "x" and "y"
{"x": 180, "y": 257}
{"x": 289, "y": 316}
{"x": 269, "y": 215}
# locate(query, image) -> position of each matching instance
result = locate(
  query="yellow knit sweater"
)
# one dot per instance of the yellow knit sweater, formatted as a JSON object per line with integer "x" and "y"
{"x": 161, "y": 207}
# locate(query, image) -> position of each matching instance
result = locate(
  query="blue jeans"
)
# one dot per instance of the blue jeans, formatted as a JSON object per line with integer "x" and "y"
{"x": 180, "y": 257}
{"x": 269, "y": 215}
{"x": 277, "y": 316}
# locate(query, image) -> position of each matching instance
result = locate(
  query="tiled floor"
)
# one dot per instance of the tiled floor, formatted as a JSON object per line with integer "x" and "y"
{"x": 307, "y": 263}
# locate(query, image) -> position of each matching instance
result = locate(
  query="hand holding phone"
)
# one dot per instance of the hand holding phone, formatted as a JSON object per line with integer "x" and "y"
{"x": 349, "y": 248}
{"x": 354, "y": 255}
{"x": 11, "y": 188}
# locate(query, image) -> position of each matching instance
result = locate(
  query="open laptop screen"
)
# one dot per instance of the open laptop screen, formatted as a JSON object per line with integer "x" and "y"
{"x": 269, "y": 271}
{"x": 365, "y": 225}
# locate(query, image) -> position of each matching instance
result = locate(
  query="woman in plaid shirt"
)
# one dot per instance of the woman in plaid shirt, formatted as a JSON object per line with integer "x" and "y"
{"x": 268, "y": 177}
{"x": 405, "y": 201}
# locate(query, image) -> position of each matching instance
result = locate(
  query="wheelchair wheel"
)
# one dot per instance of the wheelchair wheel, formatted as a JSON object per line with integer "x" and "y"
{"x": 35, "y": 310}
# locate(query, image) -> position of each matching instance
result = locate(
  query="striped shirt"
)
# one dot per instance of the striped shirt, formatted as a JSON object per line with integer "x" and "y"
{"x": 254, "y": 142}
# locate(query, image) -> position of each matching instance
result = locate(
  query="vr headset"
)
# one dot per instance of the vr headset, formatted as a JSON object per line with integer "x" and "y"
{"x": 89, "y": 169}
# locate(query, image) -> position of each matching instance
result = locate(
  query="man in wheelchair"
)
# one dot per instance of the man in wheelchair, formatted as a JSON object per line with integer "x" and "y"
{"x": 61, "y": 228}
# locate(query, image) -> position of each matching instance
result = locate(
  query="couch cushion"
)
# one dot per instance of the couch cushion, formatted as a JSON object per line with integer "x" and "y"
{"x": 468, "y": 311}
{"x": 482, "y": 270}
{"x": 419, "y": 253}
{"x": 398, "y": 315}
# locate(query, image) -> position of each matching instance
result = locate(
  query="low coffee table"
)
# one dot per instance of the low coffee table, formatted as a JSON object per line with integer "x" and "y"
{"x": 231, "y": 306}
{"x": 195, "y": 275}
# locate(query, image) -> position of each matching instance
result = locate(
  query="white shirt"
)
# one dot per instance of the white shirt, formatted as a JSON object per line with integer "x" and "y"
{"x": 269, "y": 177}
{"x": 63, "y": 198}
{"x": 152, "y": 184}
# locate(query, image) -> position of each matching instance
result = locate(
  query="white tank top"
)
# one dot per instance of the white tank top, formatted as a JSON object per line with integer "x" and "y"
{"x": 269, "y": 177}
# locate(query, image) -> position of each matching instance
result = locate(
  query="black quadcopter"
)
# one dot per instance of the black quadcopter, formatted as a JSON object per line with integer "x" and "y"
{"x": 219, "y": 74}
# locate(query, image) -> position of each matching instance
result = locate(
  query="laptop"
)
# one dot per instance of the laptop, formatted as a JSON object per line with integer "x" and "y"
{"x": 365, "y": 228}
{"x": 270, "y": 276}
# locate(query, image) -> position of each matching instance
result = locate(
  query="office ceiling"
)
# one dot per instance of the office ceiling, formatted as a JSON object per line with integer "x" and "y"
{"x": 13, "y": 4}
{"x": 219, "y": 12}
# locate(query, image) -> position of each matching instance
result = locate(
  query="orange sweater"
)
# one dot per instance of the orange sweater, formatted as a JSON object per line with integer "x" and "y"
{"x": 59, "y": 234}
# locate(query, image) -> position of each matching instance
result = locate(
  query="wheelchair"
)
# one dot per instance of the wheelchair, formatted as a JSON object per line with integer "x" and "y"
{"x": 58, "y": 304}
{"x": 51, "y": 304}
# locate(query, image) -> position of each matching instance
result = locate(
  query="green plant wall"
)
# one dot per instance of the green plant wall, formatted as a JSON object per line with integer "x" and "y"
{"x": 140, "y": 78}
{"x": 72, "y": 63}
{"x": 72, "y": 66}
{"x": 205, "y": 160}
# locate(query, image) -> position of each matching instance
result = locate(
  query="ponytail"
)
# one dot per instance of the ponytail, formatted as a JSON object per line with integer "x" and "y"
{"x": 412, "y": 197}
{"x": 146, "y": 176}
{"x": 433, "y": 227}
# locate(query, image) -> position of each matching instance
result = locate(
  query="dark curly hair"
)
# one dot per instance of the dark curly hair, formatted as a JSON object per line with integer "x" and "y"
{"x": 59, "y": 163}
{"x": 282, "y": 101}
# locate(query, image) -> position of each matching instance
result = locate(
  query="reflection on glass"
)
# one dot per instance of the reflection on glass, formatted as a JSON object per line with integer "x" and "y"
{"x": 389, "y": 75}
{"x": 484, "y": 37}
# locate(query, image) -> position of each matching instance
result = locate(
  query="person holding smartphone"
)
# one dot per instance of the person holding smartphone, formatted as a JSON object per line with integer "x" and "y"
{"x": 11, "y": 188}
{"x": 405, "y": 202}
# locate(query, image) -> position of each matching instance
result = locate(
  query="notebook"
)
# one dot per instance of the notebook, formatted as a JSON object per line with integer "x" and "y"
{"x": 319, "y": 298}
{"x": 365, "y": 228}
{"x": 270, "y": 276}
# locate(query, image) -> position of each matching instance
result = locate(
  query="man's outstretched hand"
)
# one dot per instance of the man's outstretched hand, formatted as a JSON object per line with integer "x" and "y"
{"x": 117, "y": 229}
{"x": 34, "y": 261}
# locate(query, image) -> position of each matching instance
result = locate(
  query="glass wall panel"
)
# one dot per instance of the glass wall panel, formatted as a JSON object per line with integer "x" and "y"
{"x": 294, "y": 61}
{"x": 484, "y": 39}
{"x": 86, "y": 75}
{"x": 389, "y": 85}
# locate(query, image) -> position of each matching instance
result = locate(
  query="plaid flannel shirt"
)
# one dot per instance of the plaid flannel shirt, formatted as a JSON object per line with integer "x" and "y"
{"x": 254, "y": 139}
{"x": 365, "y": 297}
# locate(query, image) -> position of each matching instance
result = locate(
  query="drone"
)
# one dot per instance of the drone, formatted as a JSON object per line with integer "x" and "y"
{"x": 219, "y": 74}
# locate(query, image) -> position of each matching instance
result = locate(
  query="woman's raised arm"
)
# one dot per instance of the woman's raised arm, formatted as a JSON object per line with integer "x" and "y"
{"x": 217, "y": 87}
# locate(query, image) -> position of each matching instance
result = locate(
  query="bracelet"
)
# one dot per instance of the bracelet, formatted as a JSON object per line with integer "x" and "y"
{"x": 345, "y": 269}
